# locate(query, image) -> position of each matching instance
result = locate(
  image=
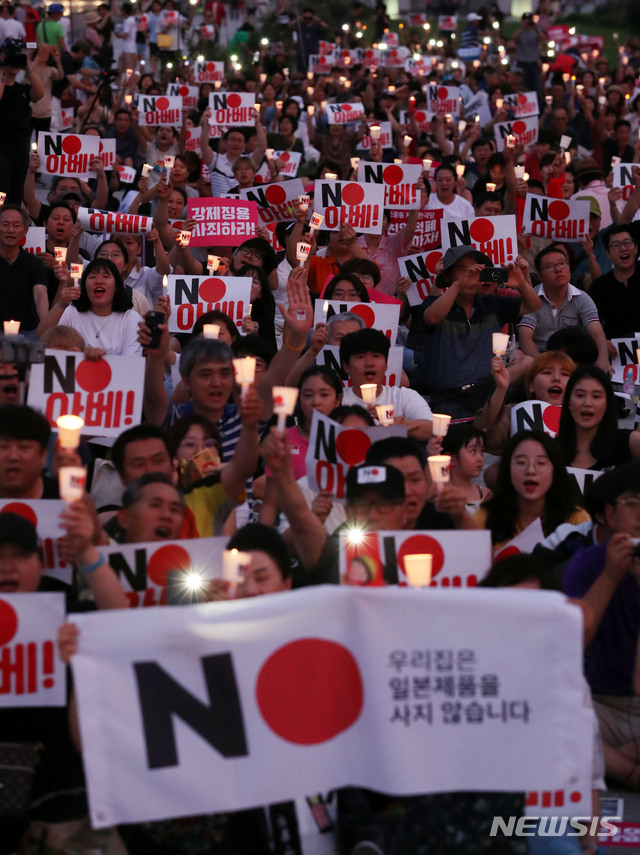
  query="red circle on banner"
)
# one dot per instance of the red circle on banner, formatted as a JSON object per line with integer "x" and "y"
{"x": 551, "y": 418}
{"x": 284, "y": 157}
{"x": 422, "y": 544}
{"x": 432, "y": 260}
{"x": 345, "y": 53}
{"x": 352, "y": 194}
{"x": 346, "y": 108}
{"x": 170, "y": 557}
{"x": 575, "y": 796}
{"x": 234, "y": 100}
{"x": 420, "y": 116}
{"x": 210, "y": 66}
{"x": 368, "y": 54}
{"x": 212, "y": 290}
{"x": 22, "y": 510}
{"x": 71, "y": 144}
{"x": 291, "y": 691}
{"x": 8, "y": 622}
{"x": 162, "y": 103}
{"x": 93, "y": 376}
{"x": 183, "y": 90}
{"x": 522, "y": 98}
{"x": 506, "y": 552}
{"x": 322, "y": 60}
{"x": 392, "y": 174}
{"x": 442, "y": 92}
{"x": 481, "y": 230}
{"x": 275, "y": 194}
{"x": 559, "y": 210}
{"x": 352, "y": 446}
{"x": 519, "y": 127}
{"x": 393, "y": 53}
{"x": 365, "y": 312}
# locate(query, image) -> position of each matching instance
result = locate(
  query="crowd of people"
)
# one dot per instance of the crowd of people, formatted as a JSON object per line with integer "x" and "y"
{"x": 208, "y": 458}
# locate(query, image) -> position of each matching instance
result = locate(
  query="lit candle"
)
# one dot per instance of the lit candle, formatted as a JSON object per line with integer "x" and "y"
{"x": 185, "y": 239}
{"x": 354, "y": 162}
{"x": 303, "y": 202}
{"x": 69, "y": 429}
{"x": 461, "y": 126}
{"x": 407, "y": 140}
{"x": 330, "y": 176}
{"x": 316, "y": 221}
{"x": 519, "y": 171}
{"x": 11, "y": 327}
{"x": 375, "y": 131}
{"x": 369, "y": 392}
{"x": 213, "y": 262}
{"x": 310, "y": 111}
{"x": 325, "y": 311}
{"x": 165, "y": 286}
{"x": 245, "y": 371}
{"x": 71, "y": 482}
{"x": 284, "y": 403}
{"x": 440, "y": 424}
{"x": 60, "y": 253}
{"x": 490, "y": 186}
{"x": 460, "y": 167}
{"x": 76, "y": 271}
{"x": 3, "y": 198}
{"x": 34, "y": 147}
{"x": 210, "y": 331}
{"x": 302, "y": 251}
{"x": 234, "y": 565}
{"x": 499, "y": 343}
{"x": 439, "y": 469}
{"x": 128, "y": 99}
{"x": 384, "y": 412}
{"x": 417, "y": 569}
{"x": 510, "y": 141}
{"x": 426, "y": 164}
{"x": 146, "y": 169}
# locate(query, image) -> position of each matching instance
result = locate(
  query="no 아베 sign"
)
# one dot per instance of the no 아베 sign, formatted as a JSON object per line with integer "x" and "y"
{"x": 555, "y": 218}
{"x": 192, "y": 296}
{"x": 494, "y": 236}
{"x": 357, "y": 205}
{"x": 67, "y": 154}
{"x": 232, "y": 109}
{"x": 159, "y": 110}
{"x": 400, "y": 182}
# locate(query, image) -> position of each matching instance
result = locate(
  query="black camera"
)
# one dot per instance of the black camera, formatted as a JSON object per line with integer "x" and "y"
{"x": 636, "y": 546}
{"x": 494, "y": 274}
{"x": 12, "y": 54}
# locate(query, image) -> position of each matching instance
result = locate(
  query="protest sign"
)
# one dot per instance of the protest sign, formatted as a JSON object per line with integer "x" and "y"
{"x": 35, "y": 240}
{"x": 358, "y": 205}
{"x": 230, "y": 705}
{"x": 386, "y": 136}
{"x": 321, "y": 64}
{"x": 208, "y": 72}
{"x": 400, "y": 182}
{"x": 221, "y": 222}
{"x": 329, "y": 356}
{"x": 525, "y": 542}
{"x": 421, "y": 270}
{"x": 377, "y": 316}
{"x": 94, "y": 220}
{"x": 447, "y": 23}
{"x": 525, "y": 132}
{"x": 623, "y": 177}
{"x": 290, "y": 162}
{"x": 556, "y": 219}
{"x": 107, "y": 394}
{"x": 422, "y": 118}
{"x": 275, "y": 201}
{"x": 523, "y": 104}
{"x": 394, "y": 57}
{"x": 44, "y": 514}
{"x": 108, "y": 153}
{"x": 192, "y": 140}
{"x": 126, "y": 174}
{"x": 155, "y": 110}
{"x": 67, "y": 154}
{"x": 31, "y": 671}
{"x": 232, "y": 109}
{"x": 418, "y": 65}
{"x": 625, "y": 362}
{"x": 535, "y": 415}
{"x": 443, "y": 99}
{"x": 494, "y": 236}
{"x": 342, "y": 114}
{"x": 189, "y": 94}
{"x": 66, "y": 118}
{"x": 384, "y": 553}
{"x": 427, "y": 234}
{"x": 192, "y": 296}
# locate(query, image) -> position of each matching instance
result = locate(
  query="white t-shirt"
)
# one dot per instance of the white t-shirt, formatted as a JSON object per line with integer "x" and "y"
{"x": 146, "y": 281}
{"x": 129, "y": 30}
{"x": 406, "y": 402}
{"x": 458, "y": 209}
{"x": 116, "y": 333}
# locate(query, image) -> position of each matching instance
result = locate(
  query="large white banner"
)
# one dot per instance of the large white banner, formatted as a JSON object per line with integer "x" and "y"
{"x": 226, "y": 706}
{"x": 400, "y": 182}
{"x": 31, "y": 672}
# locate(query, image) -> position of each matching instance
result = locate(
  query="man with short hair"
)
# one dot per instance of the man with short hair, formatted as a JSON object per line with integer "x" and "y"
{"x": 341, "y": 324}
{"x": 23, "y": 277}
{"x": 617, "y": 293}
{"x": 24, "y": 439}
{"x": 233, "y": 145}
{"x": 50, "y": 29}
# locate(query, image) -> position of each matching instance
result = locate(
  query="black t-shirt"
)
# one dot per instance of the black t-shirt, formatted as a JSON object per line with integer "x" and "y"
{"x": 15, "y": 119}
{"x": 16, "y": 293}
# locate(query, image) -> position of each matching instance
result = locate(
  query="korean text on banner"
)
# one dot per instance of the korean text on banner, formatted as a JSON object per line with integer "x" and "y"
{"x": 555, "y": 218}
{"x": 378, "y": 316}
{"x": 45, "y": 516}
{"x": 67, "y": 154}
{"x": 358, "y": 205}
{"x": 399, "y": 181}
{"x": 232, "y": 109}
{"x": 154, "y": 110}
{"x": 420, "y": 269}
{"x": 192, "y": 296}
{"x": 222, "y": 222}
{"x": 494, "y": 236}
{"x": 99, "y": 222}
{"x": 275, "y": 201}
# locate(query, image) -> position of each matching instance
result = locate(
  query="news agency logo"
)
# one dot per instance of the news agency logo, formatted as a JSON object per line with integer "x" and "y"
{"x": 553, "y": 826}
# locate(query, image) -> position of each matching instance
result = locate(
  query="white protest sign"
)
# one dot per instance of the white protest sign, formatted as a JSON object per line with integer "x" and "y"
{"x": 107, "y": 394}
{"x": 66, "y": 118}
{"x": 524, "y": 130}
{"x": 290, "y": 162}
{"x": 94, "y": 220}
{"x": 419, "y": 66}
{"x": 626, "y": 360}
{"x": 312, "y": 679}
{"x": 208, "y": 72}
{"x": 345, "y": 112}
{"x": 422, "y": 118}
{"x": 447, "y": 23}
{"x": 421, "y": 270}
{"x": 443, "y": 99}
{"x": 108, "y": 153}
{"x": 386, "y": 136}
{"x": 377, "y": 316}
{"x": 494, "y": 236}
{"x": 330, "y": 357}
{"x": 427, "y": 234}
{"x": 557, "y": 219}
{"x": 623, "y": 177}
{"x": 44, "y": 514}
{"x": 67, "y": 154}
{"x": 584, "y": 478}
{"x": 232, "y": 109}
{"x": 526, "y": 541}
{"x": 275, "y": 201}
{"x": 31, "y": 671}
{"x": 321, "y": 64}
{"x": 158, "y": 110}
{"x": 221, "y": 222}
{"x": 399, "y": 181}
{"x": 127, "y": 174}
{"x": 35, "y": 240}
{"x": 189, "y": 94}
{"x": 192, "y": 296}
{"x": 385, "y": 552}
{"x": 523, "y": 104}
{"x": 535, "y": 415}
{"x": 359, "y": 205}
{"x": 192, "y": 140}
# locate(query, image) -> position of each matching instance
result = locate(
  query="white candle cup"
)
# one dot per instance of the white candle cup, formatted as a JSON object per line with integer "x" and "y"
{"x": 270, "y": 152}
{"x": 76, "y": 270}
{"x": 565, "y": 141}
{"x": 615, "y": 160}
{"x": 490, "y": 187}
{"x": 510, "y": 141}
{"x": 499, "y": 103}
{"x": 330, "y": 176}
{"x": 128, "y": 99}
{"x": 3, "y": 199}
{"x": 354, "y": 162}
{"x": 302, "y": 251}
{"x": 11, "y": 327}
{"x": 519, "y": 171}
{"x": 60, "y": 253}
{"x": 210, "y": 331}
{"x": 71, "y": 482}
{"x": 439, "y": 469}
{"x": 407, "y": 140}
{"x": 245, "y": 371}
{"x": 384, "y": 412}
{"x": 548, "y": 99}
{"x": 234, "y": 564}
{"x": 185, "y": 237}
{"x": 284, "y": 403}
{"x": 440, "y": 424}
{"x": 460, "y": 170}
{"x": 303, "y": 202}
{"x": 69, "y": 430}
{"x": 311, "y": 110}
{"x": 418, "y": 569}
{"x": 369, "y": 392}
{"x": 375, "y": 131}
{"x": 499, "y": 343}
{"x": 279, "y": 105}
{"x": 567, "y": 157}
{"x": 461, "y": 126}
{"x": 316, "y": 221}
{"x": 213, "y": 262}
{"x": 426, "y": 164}
{"x": 34, "y": 147}
{"x": 147, "y": 168}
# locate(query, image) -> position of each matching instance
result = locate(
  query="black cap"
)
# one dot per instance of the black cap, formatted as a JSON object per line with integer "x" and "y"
{"x": 453, "y": 255}
{"x": 17, "y": 529}
{"x": 386, "y": 480}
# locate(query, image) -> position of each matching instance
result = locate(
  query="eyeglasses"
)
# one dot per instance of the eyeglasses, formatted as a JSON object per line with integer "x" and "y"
{"x": 559, "y": 265}
{"x": 632, "y": 504}
{"x": 539, "y": 465}
{"x": 621, "y": 244}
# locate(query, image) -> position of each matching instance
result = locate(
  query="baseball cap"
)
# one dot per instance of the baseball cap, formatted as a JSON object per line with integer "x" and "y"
{"x": 17, "y": 529}
{"x": 56, "y": 9}
{"x": 473, "y": 17}
{"x": 594, "y": 206}
{"x": 453, "y": 255}
{"x": 385, "y": 480}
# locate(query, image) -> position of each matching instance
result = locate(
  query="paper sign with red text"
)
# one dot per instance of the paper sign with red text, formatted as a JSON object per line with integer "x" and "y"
{"x": 556, "y": 219}
{"x": 275, "y": 202}
{"x": 221, "y": 222}
{"x": 422, "y": 118}
{"x": 321, "y": 64}
{"x": 35, "y": 240}
{"x": 394, "y": 57}
{"x": 525, "y": 542}
{"x": 66, "y": 118}
{"x": 290, "y": 162}
{"x": 189, "y": 94}
{"x": 399, "y": 181}
{"x": 94, "y": 220}
{"x": 127, "y": 174}
{"x": 524, "y": 130}
{"x": 386, "y": 136}
{"x": 232, "y": 109}
{"x": 427, "y": 234}
{"x": 107, "y": 394}
{"x": 359, "y": 205}
{"x": 625, "y": 363}
{"x": 623, "y": 177}
{"x": 208, "y": 72}
{"x": 523, "y": 104}
{"x": 330, "y": 357}
{"x": 31, "y": 671}
{"x": 154, "y": 110}
{"x": 345, "y": 112}
{"x": 192, "y": 296}
{"x": 44, "y": 514}
{"x": 443, "y": 99}
{"x": 421, "y": 65}
{"x": 447, "y": 23}
{"x": 494, "y": 236}
{"x": 67, "y": 154}
{"x": 108, "y": 153}
{"x": 377, "y": 316}
{"x": 535, "y": 415}
{"x": 192, "y": 140}
{"x": 421, "y": 270}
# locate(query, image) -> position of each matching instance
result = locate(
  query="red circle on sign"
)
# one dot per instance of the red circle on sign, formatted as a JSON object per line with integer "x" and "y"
{"x": 284, "y": 157}
{"x": 183, "y": 90}
{"x": 346, "y": 108}
{"x": 234, "y": 100}
{"x": 507, "y": 552}
{"x": 309, "y": 705}
{"x": 170, "y": 557}
{"x": 71, "y": 144}
{"x": 392, "y": 174}
{"x": 368, "y": 54}
{"x": 93, "y": 376}
{"x": 8, "y": 622}
{"x": 558, "y": 210}
{"x": 420, "y": 116}
{"x": 22, "y": 510}
{"x": 212, "y": 290}
{"x": 365, "y": 312}
{"x": 551, "y": 418}
{"x": 322, "y": 60}
{"x": 162, "y": 103}
{"x": 519, "y": 127}
{"x": 481, "y": 230}
{"x": 422, "y": 544}
{"x": 522, "y": 98}
{"x": 442, "y": 92}
{"x": 211, "y": 66}
{"x": 393, "y": 53}
{"x": 352, "y": 194}
{"x": 575, "y": 796}
{"x": 432, "y": 260}
{"x": 352, "y": 446}
{"x": 275, "y": 194}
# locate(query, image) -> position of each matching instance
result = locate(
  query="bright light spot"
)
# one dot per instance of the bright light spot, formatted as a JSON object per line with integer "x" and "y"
{"x": 264, "y": 41}
{"x": 355, "y": 535}
{"x": 201, "y": 58}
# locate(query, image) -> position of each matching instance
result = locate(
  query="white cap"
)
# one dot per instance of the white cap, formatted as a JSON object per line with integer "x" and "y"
{"x": 473, "y": 17}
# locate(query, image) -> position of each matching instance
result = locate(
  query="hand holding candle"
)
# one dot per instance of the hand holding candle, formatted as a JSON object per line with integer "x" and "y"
{"x": 284, "y": 403}
{"x": 439, "y": 469}
{"x": 245, "y": 371}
